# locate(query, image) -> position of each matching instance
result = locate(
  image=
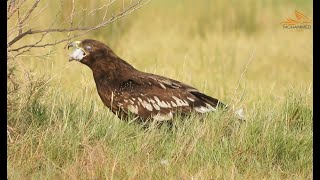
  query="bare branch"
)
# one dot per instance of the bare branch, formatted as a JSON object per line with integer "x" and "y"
{"x": 35, "y": 44}
{"x": 106, "y": 12}
{"x": 26, "y": 16}
{"x": 106, "y": 5}
{"x": 82, "y": 29}
{"x": 19, "y": 37}
{"x": 10, "y": 5}
{"x": 20, "y": 26}
{"x": 14, "y": 8}
{"x": 72, "y": 13}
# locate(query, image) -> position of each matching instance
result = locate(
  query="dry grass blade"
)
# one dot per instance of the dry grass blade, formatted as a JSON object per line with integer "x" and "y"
{"x": 238, "y": 101}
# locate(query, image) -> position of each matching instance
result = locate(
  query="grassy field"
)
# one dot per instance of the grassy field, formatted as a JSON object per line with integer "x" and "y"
{"x": 60, "y": 129}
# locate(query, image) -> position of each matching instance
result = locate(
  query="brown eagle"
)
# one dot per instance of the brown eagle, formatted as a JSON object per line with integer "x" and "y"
{"x": 128, "y": 91}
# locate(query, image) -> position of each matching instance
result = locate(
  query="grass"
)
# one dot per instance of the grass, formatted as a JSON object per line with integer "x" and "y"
{"x": 60, "y": 129}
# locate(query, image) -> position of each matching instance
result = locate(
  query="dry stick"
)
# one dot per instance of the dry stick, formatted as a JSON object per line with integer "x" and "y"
{"x": 40, "y": 40}
{"x": 107, "y": 9}
{"x": 68, "y": 18}
{"x": 42, "y": 37}
{"x": 24, "y": 24}
{"x": 71, "y": 17}
{"x": 72, "y": 13}
{"x": 26, "y": 16}
{"x": 105, "y": 5}
{"x": 72, "y": 29}
{"x": 41, "y": 56}
{"x": 92, "y": 11}
{"x": 19, "y": 24}
{"x": 86, "y": 29}
{"x": 112, "y": 19}
{"x": 11, "y": 2}
{"x": 36, "y": 15}
{"x": 18, "y": 21}
{"x": 11, "y": 13}
{"x": 15, "y": 29}
{"x": 241, "y": 76}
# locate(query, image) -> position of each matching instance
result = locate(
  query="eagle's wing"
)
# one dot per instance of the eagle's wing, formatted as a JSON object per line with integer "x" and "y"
{"x": 152, "y": 96}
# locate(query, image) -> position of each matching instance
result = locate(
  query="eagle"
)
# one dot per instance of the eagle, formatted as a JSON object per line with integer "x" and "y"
{"x": 128, "y": 92}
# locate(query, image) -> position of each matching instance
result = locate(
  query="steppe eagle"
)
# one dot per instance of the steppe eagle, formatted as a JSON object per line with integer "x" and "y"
{"x": 126, "y": 90}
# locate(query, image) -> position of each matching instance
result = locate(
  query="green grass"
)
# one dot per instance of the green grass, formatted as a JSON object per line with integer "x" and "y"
{"x": 80, "y": 139}
{"x": 60, "y": 129}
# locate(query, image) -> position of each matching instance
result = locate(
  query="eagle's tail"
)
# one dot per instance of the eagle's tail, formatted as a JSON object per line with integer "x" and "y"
{"x": 240, "y": 114}
{"x": 210, "y": 100}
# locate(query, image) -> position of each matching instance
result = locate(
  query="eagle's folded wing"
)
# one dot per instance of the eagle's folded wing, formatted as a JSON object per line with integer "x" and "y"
{"x": 157, "y": 97}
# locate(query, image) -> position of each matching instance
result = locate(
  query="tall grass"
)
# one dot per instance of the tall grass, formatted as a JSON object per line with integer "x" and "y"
{"x": 59, "y": 128}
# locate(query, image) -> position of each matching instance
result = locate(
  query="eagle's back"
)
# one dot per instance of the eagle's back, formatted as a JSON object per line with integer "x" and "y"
{"x": 150, "y": 96}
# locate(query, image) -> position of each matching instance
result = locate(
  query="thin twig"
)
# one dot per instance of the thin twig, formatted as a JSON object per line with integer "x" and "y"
{"x": 26, "y": 16}
{"x": 85, "y": 29}
{"x": 16, "y": 7}
{"x": 105, "y": 5}
{"x": 19, "y": 25}
{"x": 106, "y": 12}
{"x": 72, "y": 13}
{"x": 241, "y": 77}
{"x": 71, "y": 17}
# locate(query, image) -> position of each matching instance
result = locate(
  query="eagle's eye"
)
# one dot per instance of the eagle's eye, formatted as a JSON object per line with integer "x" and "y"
{"x": 88, "y": 48}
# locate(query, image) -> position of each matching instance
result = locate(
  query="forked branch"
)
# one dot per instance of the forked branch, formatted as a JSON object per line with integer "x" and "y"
{"x": 24, "y": 21}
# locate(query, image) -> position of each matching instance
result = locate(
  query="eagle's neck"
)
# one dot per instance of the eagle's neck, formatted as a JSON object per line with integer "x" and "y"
{"x": 109, "y": 75}
{"x": 112, "y": 71}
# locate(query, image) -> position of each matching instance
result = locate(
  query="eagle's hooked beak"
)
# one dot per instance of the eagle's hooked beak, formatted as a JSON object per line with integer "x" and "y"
{"x": 78, "y": 54}
{"x": 74, "y": 44}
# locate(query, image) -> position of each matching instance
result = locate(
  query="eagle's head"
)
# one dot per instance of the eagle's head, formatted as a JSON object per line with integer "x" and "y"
{"x": 89, "y": 51}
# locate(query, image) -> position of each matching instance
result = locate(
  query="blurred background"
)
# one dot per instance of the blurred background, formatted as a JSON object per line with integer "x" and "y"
{"x": 206, "y": 44}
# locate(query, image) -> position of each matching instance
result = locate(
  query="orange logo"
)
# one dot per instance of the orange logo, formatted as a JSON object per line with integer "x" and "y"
{"x": 300, "y": 22}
